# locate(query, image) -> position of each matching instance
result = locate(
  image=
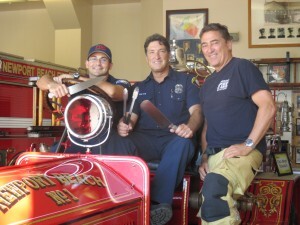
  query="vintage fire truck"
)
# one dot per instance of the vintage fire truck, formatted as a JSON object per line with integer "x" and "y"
{"x": 41, "y": 187}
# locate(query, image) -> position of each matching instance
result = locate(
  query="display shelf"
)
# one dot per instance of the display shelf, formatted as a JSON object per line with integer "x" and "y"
{"x": 275, "y": 60}
{"x": 284, "y": 86}
{"x": 292, "y": 71}
{"x": 291, "y": 90}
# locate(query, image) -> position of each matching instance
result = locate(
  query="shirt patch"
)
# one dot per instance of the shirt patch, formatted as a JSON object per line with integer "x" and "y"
{"x": 122, "y": 82}
{"x": 178, "y": 88}
{"x": 223, "y": 85}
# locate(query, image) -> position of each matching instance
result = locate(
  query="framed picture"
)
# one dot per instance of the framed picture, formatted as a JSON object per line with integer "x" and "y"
{"x": 282, "y": 164}
{"x": 278, "y": 73}
{"x": 298, "y": 130}
{"x": 297, "y": 155}
{"x": 184, "y": 27}
{"x": 273, "y": 23}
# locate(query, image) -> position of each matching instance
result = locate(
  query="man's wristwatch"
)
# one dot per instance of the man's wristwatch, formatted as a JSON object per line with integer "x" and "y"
{"x": 76, "y": 76}
{"x": 249, "y": 143}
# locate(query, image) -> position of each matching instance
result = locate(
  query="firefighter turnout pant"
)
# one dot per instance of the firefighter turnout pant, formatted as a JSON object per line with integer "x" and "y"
{"x": 227, "y": 180}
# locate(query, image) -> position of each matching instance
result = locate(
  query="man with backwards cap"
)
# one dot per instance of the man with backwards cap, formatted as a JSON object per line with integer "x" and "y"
{"x": 98, "y": 63}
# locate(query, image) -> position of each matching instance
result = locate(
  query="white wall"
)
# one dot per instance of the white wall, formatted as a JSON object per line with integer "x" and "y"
{"x": 27, "y": 33}
{"x": 123, "y": 27}
{"x": 118, "y": 26}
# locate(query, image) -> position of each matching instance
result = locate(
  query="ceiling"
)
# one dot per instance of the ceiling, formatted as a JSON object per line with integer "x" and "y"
{"x": 17, "y": 1}
{"x": 94, "y": 2}
{"x": 12, "y": 5}
{"x": 106, "y": 2}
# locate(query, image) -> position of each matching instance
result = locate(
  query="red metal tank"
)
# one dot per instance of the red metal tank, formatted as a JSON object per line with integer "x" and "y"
{"x": 45, "y": 188}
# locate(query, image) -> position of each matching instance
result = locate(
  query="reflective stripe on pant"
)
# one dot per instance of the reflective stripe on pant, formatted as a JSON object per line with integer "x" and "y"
{"x": 239, "y": 172}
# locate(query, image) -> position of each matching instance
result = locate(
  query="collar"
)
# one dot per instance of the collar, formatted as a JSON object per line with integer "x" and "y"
{"x": 109, "y": 77}
{"x": 170, "y": 75}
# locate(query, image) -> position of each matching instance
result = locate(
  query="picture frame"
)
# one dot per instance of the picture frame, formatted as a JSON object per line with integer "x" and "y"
{"x": 298, "y": 102}
{"x": 184, "y": 27}
{"x": 297, "y": 155}
{"x": 298, "y": 128}
{"x": 282, "y": 164}
{"x": 273, "y": 23}
{"x": 278, "y": 73}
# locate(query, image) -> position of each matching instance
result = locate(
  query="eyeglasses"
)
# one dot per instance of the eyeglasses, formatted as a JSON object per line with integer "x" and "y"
{"x": 102, "y": 60}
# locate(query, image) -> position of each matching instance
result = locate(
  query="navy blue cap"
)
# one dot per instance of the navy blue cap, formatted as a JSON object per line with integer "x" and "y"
{"x": 100, "y": 48}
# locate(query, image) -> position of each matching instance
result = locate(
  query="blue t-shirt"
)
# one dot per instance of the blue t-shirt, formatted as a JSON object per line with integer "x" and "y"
{"x": 227, "y": 105}
{"x": 173, "y": 97}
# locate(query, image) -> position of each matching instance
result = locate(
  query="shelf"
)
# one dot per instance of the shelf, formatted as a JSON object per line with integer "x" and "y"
{"x": 293, "y": 69}
{"x": 274, "y": 60}
{"x": 284, "y": 86}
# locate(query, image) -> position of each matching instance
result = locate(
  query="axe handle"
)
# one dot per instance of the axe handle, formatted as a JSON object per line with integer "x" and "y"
{"x": 173, "y": 126}
{"x": 127, "y": 118}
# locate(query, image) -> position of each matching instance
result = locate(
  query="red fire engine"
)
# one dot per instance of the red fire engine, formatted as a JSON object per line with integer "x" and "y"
{"x": 39, "y": 187}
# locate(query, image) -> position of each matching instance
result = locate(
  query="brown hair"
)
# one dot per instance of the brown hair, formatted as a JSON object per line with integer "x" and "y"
{"x": 157, "y": 37}
{"x": 216, "y": 27}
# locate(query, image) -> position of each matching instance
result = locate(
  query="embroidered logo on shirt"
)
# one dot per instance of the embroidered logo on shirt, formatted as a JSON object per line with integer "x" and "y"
{"x": 223, "y": 85}
{"x": 178, "y": 88}
{"x": 122, "y": 82}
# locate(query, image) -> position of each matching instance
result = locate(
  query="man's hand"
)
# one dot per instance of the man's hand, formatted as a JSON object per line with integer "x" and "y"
{"x": 183, "y": 131}
{"x": 123, "y": 128}
{"x": 58, "y": 89}
{"x": 236, "y": 151}
{"x": 203, "y": 168}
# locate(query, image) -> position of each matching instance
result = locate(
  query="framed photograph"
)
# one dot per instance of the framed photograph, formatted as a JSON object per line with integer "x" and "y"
{"x": 273, "y": 23}
{"x": 282, "y": 164}
{"x": 278, "y": 73}
{"x": 297, "y": 152}
{"x": 184, "y": 27}
{"x": 298, "y": 102}
{"x": 298, "y": 129}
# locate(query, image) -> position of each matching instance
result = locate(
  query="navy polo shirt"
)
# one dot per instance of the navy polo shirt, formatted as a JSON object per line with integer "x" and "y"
{"x": 173, "y": 97}
{"x": 118, "y": 113}
{"x": 227, "y": 105}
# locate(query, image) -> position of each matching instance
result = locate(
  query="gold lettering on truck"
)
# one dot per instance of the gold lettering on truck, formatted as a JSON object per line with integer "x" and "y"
{"x": 12, "y": 192}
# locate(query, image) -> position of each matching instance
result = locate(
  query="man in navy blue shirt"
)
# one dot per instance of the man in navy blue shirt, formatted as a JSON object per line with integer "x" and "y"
{"x": 174, "y": 94}
{"x": 238, "y": 108}
{"x": 98, "y": 64}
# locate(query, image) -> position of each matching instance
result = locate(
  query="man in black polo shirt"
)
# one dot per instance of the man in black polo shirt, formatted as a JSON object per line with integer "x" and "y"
{"x": 238, "y": 108}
